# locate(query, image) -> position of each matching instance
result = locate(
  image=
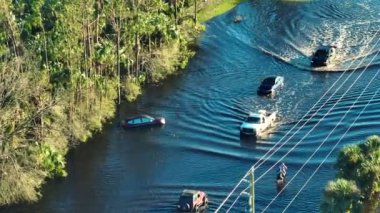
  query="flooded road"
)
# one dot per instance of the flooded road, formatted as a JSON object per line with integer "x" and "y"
{"x": 200, "y": 148}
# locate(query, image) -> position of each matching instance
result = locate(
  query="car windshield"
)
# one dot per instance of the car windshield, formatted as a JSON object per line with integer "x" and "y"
{"x": 135, "y": 121}
{"x": 269, "y": 81}
{"x": 321, "y": 52}
{"x": 186, "y": 199}
{"x": 252, "y": 120}
{"x": 147, "y": 120}
{"x": 148, "y": 117}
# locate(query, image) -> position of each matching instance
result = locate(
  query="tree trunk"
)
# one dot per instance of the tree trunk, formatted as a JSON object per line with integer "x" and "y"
{"x": 118, "y": 57}
{"x": 371, "y": 197}
{"x": 12, "y": 31}
{"x": 195, "y": 11}
{"x": 175, "y": 13}
{"x": 137, "y": 54}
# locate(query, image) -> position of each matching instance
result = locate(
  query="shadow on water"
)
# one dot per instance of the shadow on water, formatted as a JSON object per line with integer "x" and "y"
{"x": 248, "y": 142}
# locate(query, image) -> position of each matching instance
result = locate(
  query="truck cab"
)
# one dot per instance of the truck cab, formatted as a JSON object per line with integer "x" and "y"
{"x": 192, "y": 201}
{"x": 256, "y": 123}
{"x": 323, "y": 56}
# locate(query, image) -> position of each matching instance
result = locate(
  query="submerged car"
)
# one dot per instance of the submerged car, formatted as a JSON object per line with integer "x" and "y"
{"x": 192, "y": 201}
{"x": 322, "y": 56}
{"x": 143, "y": 121}
{"x": 238, "y": 19}
{"x": 270, "y": 85}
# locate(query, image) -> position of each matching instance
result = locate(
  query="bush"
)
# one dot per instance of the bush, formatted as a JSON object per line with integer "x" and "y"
{"x": 51, "y": 161}
{"x": 131, "y": 88}
{"x": 19, "y": 184}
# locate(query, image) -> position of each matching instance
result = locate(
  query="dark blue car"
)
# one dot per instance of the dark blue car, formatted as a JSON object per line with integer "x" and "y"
{"x": 270, "y": 85}
{"x": 143, "y": 121}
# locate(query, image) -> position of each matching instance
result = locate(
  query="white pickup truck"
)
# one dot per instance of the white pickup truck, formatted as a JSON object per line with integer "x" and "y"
{"x": 256, "y": 123}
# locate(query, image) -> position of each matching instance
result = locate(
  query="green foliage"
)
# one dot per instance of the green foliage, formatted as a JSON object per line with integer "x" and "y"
{"x": 19, "y": 183}
{"x": 341, "y": 196}
{"x": 360, "y": 164}
{"x": 61, "y": 63}
{"x": 131, "y": 88}
{"x": 165, "y": 61}
{"x": 218, "y": 8}
{"x": 51, "y": 161}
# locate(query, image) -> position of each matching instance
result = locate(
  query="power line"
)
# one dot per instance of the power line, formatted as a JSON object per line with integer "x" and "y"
{"x": 237, "y": 198}
{"x": 286, "y": 154}
{"x": 255, "y": 165}
{"x": 334, "y": 147}
{"x": 318, "y": 148}
{"x": 241, "y": 180}
{"x": 257, "y": 162}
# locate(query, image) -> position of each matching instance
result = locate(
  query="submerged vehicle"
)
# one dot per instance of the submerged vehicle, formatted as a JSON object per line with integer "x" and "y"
{"x": 238, "y": 19}
{"x": 192, "y": 201}
{"x": 256, "y": 123}
{"x": 270, "y": 85}
{"x": 323, "y": 56}
{"x": 143, "y": 121}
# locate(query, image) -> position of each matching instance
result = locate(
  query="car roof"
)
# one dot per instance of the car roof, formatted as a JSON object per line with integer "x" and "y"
{"x": 140, "y": 116}
{"x": 189, "y": 192}
{"x": 254, "y": 115}
{"x": 270, "y": 78}
{"x": 326, "y": 47}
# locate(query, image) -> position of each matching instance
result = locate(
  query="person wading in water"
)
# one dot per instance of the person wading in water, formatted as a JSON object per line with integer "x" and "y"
{"x": 281, "y": 176}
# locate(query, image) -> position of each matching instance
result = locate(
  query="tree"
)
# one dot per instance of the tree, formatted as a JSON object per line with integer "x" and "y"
{"x": 360, "y": 163}
{"x": 60, "y": 68}
{"x": 340, "y": 196}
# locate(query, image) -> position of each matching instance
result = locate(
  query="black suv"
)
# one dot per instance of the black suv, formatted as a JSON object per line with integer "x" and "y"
{"x": 322, "y": 56}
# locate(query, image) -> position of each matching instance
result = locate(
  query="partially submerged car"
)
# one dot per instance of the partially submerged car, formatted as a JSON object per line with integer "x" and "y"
{"x": 322, "y": 56}
{"x": 192, "y": 201}
{"x": 256, "y": 123}
{"x": 143, "y": 121}
{"x": 238, "y": 19}
{"x": 270, "y": 85}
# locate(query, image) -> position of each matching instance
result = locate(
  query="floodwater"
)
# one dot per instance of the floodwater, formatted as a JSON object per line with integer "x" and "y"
{"x": 200, "y": 148}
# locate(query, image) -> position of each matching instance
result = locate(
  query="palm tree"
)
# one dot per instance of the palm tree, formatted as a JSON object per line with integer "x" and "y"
{"x": 369, "y": 170}
{"x": 340, "y": 196}
{"x": 361, "y": 164}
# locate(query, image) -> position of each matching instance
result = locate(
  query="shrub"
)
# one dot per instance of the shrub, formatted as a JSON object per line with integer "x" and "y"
{"x": 131, "y": 88}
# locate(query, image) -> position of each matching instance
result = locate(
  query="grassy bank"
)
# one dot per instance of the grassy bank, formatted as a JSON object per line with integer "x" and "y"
{"x": 217, "y": 7}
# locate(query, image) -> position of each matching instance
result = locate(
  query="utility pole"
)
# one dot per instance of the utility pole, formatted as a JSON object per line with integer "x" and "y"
{"x": 252, "y": 192}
